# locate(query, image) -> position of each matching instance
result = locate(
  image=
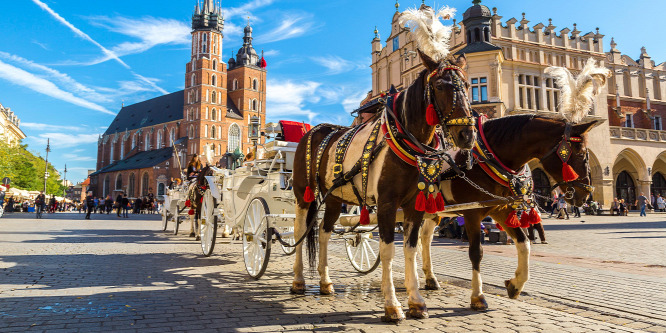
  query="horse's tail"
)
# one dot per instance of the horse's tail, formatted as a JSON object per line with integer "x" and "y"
{"x": 311, "y": 240}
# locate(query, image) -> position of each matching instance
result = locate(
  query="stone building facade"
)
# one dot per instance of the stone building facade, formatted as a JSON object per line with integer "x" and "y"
{"x": 506, "y": 60}
{"x": 10, "y": 131}
{"x": 211, "y": 116}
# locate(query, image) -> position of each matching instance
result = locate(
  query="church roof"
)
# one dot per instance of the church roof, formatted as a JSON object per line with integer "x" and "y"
{"x": 144, "y": 159}
{"x": 232, "y": 110}
{"x": 154, "y": 111}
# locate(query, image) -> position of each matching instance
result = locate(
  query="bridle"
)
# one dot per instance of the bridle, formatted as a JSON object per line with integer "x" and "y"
{"x": 459, "y": 87}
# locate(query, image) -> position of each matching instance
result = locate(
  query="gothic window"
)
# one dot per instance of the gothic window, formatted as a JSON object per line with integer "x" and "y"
{"x": 130, "y": 185}
{"x": 144, "y": 184}
{"x": 119, "y": 182}
{"x": 158, "y": 144}
{"x": 204, "y": 44}
{"x": 234, "y": 138}
{"x": 254, "y": 105}
{"x": 658, "y": 185}
{"x": 193, "y": 80}
{"x": 205, "y": 133}
{"x": 122, "y": 150}
{"x": 213, "y": 114}
{"x": 172, "y": 137}
{"x": 190, "y": 132}
{"x": 213, "y": 97}
{"x": 479, "y": 89}
{"x": 255, "y": 84}
{"x": 134, "y": 141}
{"x": 625, "y": 189}
{"x": 213, "y": 81}
{"x": 212, "y": 132}
{"x": 234, "y": 86}
{"x": 146, "y": 143}
{"x": 111, "y": 153}
{"x": 214, "y": 64}
{"x": 107, "y": 186}
{"x": 219, "y": 149}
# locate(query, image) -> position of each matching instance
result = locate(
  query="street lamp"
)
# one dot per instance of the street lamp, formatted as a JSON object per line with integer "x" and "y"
{"x": 65, "y": 181}
{"x": 254, "y": 133}
{"x": 46, "y": 162}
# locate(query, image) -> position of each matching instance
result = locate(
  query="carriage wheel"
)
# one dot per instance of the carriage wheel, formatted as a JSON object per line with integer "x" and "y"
{"x": 176, "y": 220}
{"x": 256, "y": 238}
{"x": 290, "y": 239}
{"x": 165, "y": 218}
{"x": 363, "y": 251}
{"x": 208, "y": 225}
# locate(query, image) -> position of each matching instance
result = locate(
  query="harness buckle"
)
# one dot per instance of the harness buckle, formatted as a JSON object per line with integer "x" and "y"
{"x": 337, "y": 168}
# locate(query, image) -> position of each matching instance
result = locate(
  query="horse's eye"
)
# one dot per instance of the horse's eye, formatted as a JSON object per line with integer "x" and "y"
{"x": 439, "y": 84}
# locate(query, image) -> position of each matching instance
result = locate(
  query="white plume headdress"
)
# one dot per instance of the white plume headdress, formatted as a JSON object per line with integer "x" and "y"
{"x": 577, "y": 93}
{"x": 430, "y": 34}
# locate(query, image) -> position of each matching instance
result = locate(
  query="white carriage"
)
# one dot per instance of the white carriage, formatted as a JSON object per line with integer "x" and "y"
{"x": 257, "y": 202}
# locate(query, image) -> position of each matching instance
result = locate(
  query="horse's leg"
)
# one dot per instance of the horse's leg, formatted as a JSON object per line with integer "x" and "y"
{"x": 515, "y": 285}
{"x": 473, "y": 229}
{"x": 427, "y": 231}
{"x": 412, "y": 224}
{"x": 192, "y": 234}
{"x": 197, "y": 217}
{"x": 333, "y": 209}
{"x": 386, "y": 219}
{"x": 298, "y": 285}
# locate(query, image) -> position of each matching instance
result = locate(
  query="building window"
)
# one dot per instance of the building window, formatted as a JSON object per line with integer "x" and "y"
{"x": 160, "y": 189}
{"x": 234, "y": 138}
{"x": 213, "y": 81}
{"x": 552, "y": 95}
{"x": 144, "y": 184}
{"x": 146, "y": 143}
{"x": 529, "y": 92}
{"x": 213, "y": 97}
{"x": 234, "y": 85}
{"x": 212, "y": 132}
{"x": 629, "y": 120}
{"x": 657, "y": 123}
{"x": 190, "y": 132}
{"x": 193, "y": 80}
{"x": 158, "y": 144}
{"x": 134, "y": 141}
{"x": 254, "y": 105}
{"x": 111, "y": 153}
{"x": 213, "y": 114}
{"x": 396, "y": 43}
{"x": 205, "y": 134}
{"x": 214, "y": 65}
{"x": 255, "y": 84}
{"x": 107, "y": 186}
{"x": 122, "y": 150}
{"x": 479, "y": 89}
{"x": 119, "y": 182}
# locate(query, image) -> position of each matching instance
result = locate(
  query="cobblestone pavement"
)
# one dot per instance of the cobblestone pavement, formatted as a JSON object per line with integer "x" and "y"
{"x": 63, "y": 273}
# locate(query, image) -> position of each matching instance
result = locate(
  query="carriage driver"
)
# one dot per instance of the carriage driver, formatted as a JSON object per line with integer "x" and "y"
{"x": 193, "y": 167}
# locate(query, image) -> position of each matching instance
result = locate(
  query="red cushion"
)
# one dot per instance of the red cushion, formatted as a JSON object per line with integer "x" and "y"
{"x": 293, "y": 131}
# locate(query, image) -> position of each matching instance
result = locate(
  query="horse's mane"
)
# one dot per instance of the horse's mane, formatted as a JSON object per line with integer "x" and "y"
{"x": 511, "y": 127}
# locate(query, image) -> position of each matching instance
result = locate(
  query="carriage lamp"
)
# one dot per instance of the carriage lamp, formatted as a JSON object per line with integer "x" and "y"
{"x": 254, "y": 129}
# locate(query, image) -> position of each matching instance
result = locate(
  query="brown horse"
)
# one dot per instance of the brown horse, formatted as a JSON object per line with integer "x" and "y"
{"x": 514, "y": 141}
{"x": 195, "y": 193}
{"x": 391, "y": 182}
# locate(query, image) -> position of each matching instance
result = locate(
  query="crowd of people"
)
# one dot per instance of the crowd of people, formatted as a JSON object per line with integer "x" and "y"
{"x": 122, "y": 204}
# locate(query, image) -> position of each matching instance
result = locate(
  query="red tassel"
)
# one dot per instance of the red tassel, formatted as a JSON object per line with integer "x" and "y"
{"x": 190, "y": 212}
{"x": 431, "y": 115}
{"x": 512, "y": 221}
{"x": 524, "y": 219}
{"x": 187, "y": 203}
{"x": 535, "y": 216}
{"x": 420, "y": 202}
{"x": 365, "y": 216}
{"x": 568, "y": 173}
{"x": 499, "y": 226}
{"x": 201, "y": 200}
{"x": 308, "y": 196}
{"x": 263, "y": 63}
{"x": 203, "y": 187}
{"x": 431, "y": 205}
{"x": 439, "y": 201}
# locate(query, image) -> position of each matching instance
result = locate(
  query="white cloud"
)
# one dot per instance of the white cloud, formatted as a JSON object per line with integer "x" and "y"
{"x": 83, "y": 35}
{"x": 245, "y": 9}
{"x": 271, "y": 53}
{"x": 286, "y": 98}
{"x": 76, "y": 157}
{"x": 42, "y": 45}
{"x": 337, "y": 65}
{"x": 64, "y": 140}
{"x": 28, "y": 80}
{"x": 149, "y": 31}
{"x": 352, "y": 102}
{"x": 291, "y": 26}
{"x": 49, "y": 127}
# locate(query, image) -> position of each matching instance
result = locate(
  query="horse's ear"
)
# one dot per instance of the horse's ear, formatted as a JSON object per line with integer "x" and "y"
{"x": 583, "y": 128}
{"x": 461, "y": 60}
{"x": 430, "y": 64}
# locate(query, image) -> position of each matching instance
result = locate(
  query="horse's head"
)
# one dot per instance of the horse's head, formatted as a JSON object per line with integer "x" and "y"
{"x": 571, "y": 153}
{"x": 446, "y": 89}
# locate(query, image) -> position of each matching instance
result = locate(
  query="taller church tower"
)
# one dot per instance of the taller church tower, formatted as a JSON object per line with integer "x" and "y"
{"x": 205, "y": 83}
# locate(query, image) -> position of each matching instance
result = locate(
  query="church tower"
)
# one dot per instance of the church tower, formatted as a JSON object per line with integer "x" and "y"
{"x": 205, "y": 83}
{"x": 247, "y": 84}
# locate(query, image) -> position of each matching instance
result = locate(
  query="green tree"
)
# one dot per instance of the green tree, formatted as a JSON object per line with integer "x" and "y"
{"x": 26, "y": 169}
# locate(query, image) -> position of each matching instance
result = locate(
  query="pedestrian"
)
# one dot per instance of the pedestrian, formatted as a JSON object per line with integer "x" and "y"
{"x": 615, "y": 207}
{"x": 40, "y": 202}
{"x": 641, "y": 202}
{"x": 126, "y": 204}
{"x": 623, "y": 208}
{"x": 562, "y": 206}
{"x": 108, "y": 204}
{"x": 661, "y": 204}
{"x": 90, "y": 204}
{"x": 554, "y": 205}
{"x": 576, "y": 211}
{"x": 539, "y": 229}
{"x": 119, "y": 202}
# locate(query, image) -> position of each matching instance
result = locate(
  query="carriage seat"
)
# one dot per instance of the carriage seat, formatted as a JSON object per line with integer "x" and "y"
{"x": 293, "y": 131}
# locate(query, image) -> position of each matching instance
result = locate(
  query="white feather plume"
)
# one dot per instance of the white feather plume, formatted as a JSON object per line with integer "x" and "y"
{"x": 577, "y": 93}
{"x": 430, "y": 34}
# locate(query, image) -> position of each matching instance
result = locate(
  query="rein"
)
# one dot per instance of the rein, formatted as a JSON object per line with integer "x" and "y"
{"x": 434, "y": 115}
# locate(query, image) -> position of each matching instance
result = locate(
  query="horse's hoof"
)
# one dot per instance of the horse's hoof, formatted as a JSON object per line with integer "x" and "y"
{"x": 511, "y": 290}
{"x": 192, "y": 234}
{"x": 479, "y": 303}
{"x": 417, "y": 311}
{"x": 393, "y": 314}
{"x": 198, "y": 238}
{"x": 432, "y": 284}
{"x": 297, "y": 288}
{"x": 326, "y": 288}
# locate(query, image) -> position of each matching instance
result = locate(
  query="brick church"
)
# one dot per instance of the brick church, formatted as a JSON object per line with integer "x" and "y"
{"x": 212, "y": 114}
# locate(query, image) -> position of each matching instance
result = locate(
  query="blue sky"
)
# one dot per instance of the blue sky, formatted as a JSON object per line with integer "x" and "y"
{"x": 67, "y": 65}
